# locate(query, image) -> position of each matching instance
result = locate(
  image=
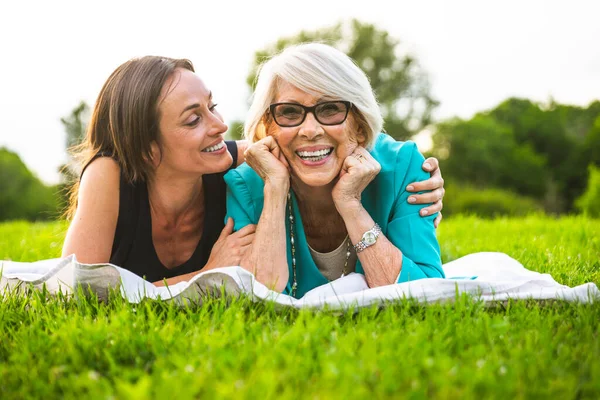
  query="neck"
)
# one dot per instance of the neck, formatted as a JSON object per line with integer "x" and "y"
{"x": 315, "y": 198}
{"x": 171, "y": 195}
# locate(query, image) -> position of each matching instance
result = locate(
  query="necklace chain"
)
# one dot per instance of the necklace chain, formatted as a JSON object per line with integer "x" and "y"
{"x": 293, "y": 246}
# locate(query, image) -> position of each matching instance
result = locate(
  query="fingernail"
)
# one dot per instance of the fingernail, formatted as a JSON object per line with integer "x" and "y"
{"x": 424, "y": 212}
{"x": 427, "y": 165}
{"x": 410, "y": 188}
{"x": 411, "y": 199}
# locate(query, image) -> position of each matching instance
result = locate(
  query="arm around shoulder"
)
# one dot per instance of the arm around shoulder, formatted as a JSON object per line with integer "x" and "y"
{"x": 414, "y": 235}
{"x": 91, "y": 232}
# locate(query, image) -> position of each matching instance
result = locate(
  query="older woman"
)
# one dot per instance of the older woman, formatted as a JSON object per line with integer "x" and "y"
{"x": 151, "y": 197}
{"x": 327, "y": 191}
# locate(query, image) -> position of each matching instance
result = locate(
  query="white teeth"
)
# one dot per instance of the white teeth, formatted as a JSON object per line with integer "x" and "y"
{"x": 214, "y": 148}
{"x": 314, "y": 155}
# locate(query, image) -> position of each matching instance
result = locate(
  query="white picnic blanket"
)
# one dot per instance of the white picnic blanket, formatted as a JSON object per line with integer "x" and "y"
{"x": 490, "y": 277}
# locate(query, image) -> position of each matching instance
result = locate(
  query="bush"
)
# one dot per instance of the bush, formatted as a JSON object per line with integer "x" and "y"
{"x": 22, "y": 195}
{"x": 487, "y": 202}
{"x": 589, "y": 202}
{"x": 484, "y": 153}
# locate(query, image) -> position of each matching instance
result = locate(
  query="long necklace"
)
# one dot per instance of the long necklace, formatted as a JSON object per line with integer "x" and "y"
{"x": 293, "y": 246}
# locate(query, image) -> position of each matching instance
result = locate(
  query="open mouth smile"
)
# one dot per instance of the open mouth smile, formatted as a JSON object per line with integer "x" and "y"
{"x": 315, "y": 156}
{"x": 215, "y": 148}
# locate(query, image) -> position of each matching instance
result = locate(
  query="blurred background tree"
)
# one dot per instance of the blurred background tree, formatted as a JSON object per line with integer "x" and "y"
{"x": 22, "y": 194}
{"x": 530, "y": 149}
{"x": 589, "y": 202}
{"x": 75, "y": 125}
{"x": 401, "y": 85}
{"x": 520, "y": 156}
{"x": 485, "y": 153}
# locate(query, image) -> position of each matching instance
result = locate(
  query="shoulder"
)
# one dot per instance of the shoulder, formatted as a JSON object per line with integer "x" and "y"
{"x": 92, "y": 230}
{"x": 396, "y": 155}
{"x": 245, "y": 195}
{"x": 401, "y": 162}
{"x": 101, "y": 173}
{"x": 244, "y": 178}
{"x": 98, "y": 195}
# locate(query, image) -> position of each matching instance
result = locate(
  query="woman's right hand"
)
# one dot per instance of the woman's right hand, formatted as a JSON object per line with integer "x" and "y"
{"x": 231, "y": 246}
{"x": 266, "y": 158}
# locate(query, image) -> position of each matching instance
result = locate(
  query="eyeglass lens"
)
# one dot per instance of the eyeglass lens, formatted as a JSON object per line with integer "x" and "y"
{"x": 327, "y": 113}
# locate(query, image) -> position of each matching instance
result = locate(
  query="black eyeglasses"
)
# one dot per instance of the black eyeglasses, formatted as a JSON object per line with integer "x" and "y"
{"x": 288, "y": 115}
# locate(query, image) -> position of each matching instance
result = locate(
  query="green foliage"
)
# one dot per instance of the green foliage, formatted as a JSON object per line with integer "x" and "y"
{"x": 577, "y": 121}
{"x": 542, "y": 130}
{"x": 22, "y": 195}
{"x": 589, "y": 202}
{"x": 484, "y": 153}
{"x": 66, "y": 348}
{"x": 235, "y": 131}
{"x": 486, "y": 202}
{"x": 401, "y": 85}
{"x": 75, "y": 125}
{"x": 591, "y": 146}
{"x": 534, "y": 150}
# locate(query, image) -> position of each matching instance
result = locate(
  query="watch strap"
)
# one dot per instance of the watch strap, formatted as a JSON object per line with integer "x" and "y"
{"x": 364, "y": 243}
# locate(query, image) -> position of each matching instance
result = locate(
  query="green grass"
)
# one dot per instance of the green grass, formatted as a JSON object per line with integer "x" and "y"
{"x": 65, "y": 348}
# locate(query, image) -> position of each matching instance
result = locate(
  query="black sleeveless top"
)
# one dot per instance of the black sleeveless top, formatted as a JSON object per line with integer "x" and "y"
{"x": 133, "y": 248}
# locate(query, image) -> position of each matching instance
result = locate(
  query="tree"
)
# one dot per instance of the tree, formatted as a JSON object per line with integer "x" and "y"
{"x": 75, "y": 126}
{"x": 236, "y": 130}
{"x": 22, "y": 195}
{"x": 589, "y": 202}
{"x": 560, "y": 134}
{"x": 577, "y": 121}
{"x": 401, "y": 85}
{"x": 592, "y": 144}
{"x": 484, "y": 153}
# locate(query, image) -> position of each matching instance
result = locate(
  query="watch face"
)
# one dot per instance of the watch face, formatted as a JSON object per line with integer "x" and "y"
{"x": 370, "y": 238}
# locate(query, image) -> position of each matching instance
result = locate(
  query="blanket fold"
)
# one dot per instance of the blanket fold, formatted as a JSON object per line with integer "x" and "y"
{"x": 490, "y": 277}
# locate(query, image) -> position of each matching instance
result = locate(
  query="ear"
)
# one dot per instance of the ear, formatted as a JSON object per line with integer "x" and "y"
{"x": 361, "y": 138}
{"x": 155, "y": 154}
{"x": 262, "y": 129}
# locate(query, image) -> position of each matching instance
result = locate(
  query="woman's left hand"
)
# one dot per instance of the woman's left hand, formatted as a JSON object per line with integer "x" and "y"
{"x": 435, "y": 190}
{"x": 358, "y": 170}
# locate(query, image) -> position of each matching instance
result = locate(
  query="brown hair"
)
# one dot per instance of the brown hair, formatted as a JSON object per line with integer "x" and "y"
{"x": 125, "y": 119}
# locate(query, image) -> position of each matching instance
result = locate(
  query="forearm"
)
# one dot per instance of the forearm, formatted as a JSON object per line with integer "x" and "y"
{"x": 177, "y": 279}
{"x": 382, "y": 262}
{"x": 267, "y": 259}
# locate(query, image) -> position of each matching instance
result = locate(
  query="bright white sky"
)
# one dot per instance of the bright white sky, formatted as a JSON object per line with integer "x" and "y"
{"x": 477, "y": 53}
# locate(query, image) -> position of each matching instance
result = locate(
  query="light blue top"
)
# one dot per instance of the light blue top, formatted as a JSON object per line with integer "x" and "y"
{"x": 385, "y": 199}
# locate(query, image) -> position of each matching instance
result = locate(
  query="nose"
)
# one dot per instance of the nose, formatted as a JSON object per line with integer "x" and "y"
{"x": 311, "y": 128}
{"x": 217, "y": 126}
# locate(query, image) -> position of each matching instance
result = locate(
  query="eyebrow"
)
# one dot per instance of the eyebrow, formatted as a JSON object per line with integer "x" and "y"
{"x": 319, "y": 100}
{"x": 196, "y": 105}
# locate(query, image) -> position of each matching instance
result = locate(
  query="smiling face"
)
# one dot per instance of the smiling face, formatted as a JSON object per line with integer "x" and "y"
{"x": 314, "y": 151}
{"x": 191, "y": 129}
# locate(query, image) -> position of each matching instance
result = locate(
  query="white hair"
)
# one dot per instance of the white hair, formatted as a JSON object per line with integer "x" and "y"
{"x": 316, "y": 69}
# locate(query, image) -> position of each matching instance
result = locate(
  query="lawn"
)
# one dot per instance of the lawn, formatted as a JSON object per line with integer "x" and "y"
{"x": 63, "y": 348}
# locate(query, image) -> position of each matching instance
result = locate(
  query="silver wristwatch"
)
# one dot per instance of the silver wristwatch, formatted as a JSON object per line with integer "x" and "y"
{"x": 368, "y": 239}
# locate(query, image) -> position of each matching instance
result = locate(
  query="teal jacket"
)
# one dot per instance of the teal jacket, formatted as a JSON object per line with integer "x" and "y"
{"x": 385, "y": 199}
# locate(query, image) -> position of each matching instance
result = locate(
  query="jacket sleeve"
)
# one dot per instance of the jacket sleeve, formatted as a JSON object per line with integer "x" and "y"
{"x": 240, "y": 206}
{"x": 414, "y": 235}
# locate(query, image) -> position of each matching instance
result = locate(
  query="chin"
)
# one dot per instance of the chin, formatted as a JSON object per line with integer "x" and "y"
{"x": 220, "y": 165}
{"x": 317, "y": 179}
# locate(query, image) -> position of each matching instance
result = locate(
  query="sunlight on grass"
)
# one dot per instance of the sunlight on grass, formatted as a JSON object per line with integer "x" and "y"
{"x": 56, "y": 348}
